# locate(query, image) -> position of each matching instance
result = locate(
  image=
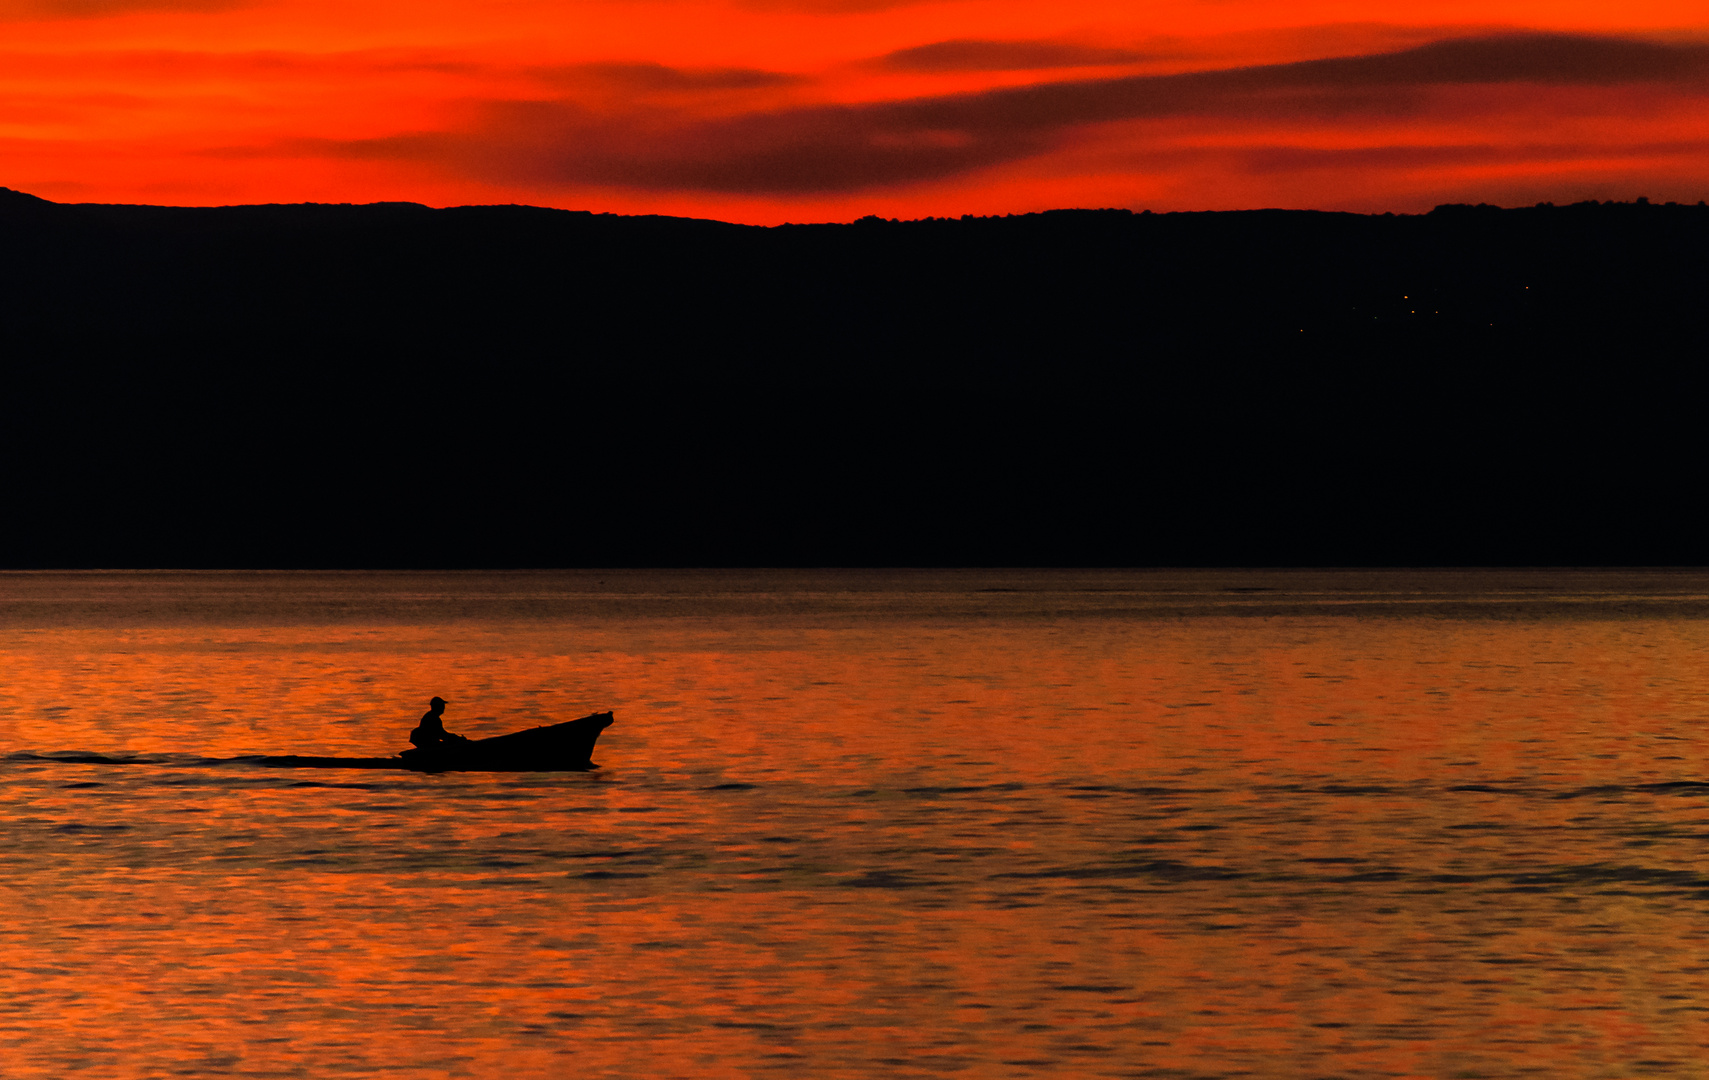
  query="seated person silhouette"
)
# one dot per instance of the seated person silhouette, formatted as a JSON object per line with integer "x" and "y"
{"x": 431, "y": 731}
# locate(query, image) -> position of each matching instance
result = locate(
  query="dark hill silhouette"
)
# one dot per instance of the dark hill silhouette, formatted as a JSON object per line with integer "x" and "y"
{"x": 397, "y": 385}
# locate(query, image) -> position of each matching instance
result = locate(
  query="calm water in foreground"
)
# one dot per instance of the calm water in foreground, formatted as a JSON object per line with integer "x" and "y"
{"x": 860, "y": 825}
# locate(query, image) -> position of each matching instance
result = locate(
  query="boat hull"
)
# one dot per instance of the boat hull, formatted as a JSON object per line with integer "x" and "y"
{"x": 566, "y": 747}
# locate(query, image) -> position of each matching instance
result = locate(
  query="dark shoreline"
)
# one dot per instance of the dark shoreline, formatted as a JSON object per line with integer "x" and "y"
{"x": 388, "y": 385}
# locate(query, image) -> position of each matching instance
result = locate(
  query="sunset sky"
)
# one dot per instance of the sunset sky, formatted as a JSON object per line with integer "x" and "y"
{"x": 767, "y": 111}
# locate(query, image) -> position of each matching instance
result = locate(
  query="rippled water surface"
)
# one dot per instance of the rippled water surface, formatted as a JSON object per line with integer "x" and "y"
{"x": 860, "y": 825}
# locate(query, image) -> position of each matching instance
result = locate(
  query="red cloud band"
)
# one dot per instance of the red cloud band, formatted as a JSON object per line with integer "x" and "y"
{"x": 844, "y": 148}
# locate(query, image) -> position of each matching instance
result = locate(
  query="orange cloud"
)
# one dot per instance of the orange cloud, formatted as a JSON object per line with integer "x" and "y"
{"x": 840, "y": 148}
{"x": 807, "y": 111}
{"x": 969, "y": 54}
{"x": 642, "y": 78}
{"x": 94, "y": 9}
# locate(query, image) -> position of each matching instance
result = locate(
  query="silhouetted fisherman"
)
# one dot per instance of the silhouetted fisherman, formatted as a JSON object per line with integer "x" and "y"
{"x": 431, "y": 731}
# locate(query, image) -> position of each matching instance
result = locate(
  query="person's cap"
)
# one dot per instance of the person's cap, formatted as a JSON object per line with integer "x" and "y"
{"x": 438, "y": 701}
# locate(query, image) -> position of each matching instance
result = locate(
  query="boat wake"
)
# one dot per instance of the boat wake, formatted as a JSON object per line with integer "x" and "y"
{"x": 566, "y": 747}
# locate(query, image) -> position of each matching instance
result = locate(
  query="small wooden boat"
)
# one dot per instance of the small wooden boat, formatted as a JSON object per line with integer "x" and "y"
{"x": 555, "y": 748}
{"x": 566, "y": 747}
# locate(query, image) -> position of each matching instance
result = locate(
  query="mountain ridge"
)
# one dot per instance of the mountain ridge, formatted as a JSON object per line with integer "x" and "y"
{"x": 17, "y": 196}
{"x": 317, "y": 386}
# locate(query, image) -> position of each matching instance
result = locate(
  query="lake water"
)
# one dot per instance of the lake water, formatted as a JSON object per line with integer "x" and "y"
{"x": 860, "y": 824}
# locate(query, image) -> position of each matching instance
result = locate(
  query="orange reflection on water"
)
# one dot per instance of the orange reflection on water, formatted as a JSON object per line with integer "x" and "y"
{"x": 1053, "y": 842}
